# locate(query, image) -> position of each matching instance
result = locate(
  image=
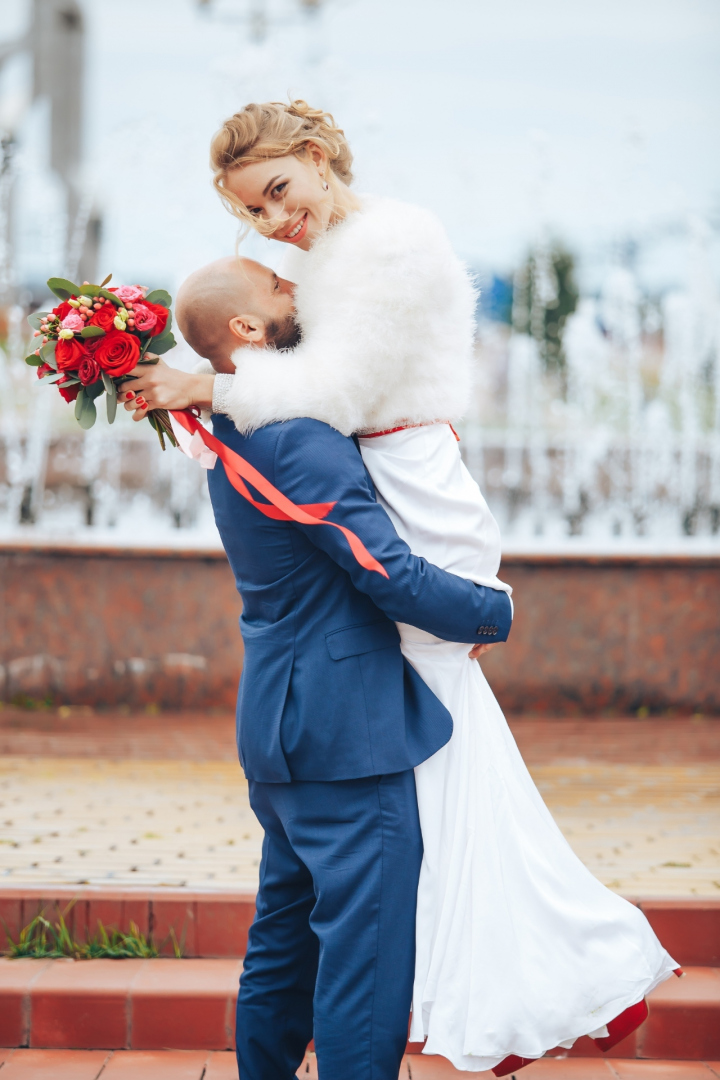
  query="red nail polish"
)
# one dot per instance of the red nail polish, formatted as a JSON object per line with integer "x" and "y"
{"x": 130, "y": 395}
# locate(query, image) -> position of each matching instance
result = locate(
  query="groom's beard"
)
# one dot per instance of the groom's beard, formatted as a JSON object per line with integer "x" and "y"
{"x": 283, "y": 335}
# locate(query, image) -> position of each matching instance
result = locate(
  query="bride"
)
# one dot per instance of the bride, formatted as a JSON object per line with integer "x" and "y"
{"x": 519, "y": 948}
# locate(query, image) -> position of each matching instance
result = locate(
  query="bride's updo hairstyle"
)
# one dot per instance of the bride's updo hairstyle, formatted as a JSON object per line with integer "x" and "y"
{"x": 273, "y": 130}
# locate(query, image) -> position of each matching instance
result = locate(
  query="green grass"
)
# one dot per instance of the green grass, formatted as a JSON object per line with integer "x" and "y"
{"x": 42, "y": 939}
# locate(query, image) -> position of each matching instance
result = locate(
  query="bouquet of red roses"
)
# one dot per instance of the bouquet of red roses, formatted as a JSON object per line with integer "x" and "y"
{"x": 95, "y": 337}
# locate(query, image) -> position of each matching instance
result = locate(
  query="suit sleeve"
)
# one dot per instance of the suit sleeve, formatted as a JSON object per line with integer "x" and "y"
{"x": 315, "y": 463}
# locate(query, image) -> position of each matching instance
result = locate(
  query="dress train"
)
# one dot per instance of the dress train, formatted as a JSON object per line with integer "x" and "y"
{"x": 519, "y": 948}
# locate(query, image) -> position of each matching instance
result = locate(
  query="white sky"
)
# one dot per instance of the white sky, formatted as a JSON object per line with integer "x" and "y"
{"x": 597, "y": 118}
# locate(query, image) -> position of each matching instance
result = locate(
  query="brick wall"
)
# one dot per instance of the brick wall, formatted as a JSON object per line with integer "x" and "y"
{"x": 121, "y": 627}
{"x": 615, "y": 633}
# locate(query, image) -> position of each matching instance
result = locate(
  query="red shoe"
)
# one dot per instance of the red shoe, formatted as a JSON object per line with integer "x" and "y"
{"x": 623, "y": 1025}
{"x": 512, "y": 1064}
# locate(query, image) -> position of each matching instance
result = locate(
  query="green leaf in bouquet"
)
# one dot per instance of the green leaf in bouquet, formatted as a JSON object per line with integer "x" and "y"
{"x": 110, "y": 296}
{"x": 88, "y": 416}
{"x": 92, "y": 331}
{"x": 160, "y": 296}
{"x": 95, "y": 389}
{"x": 33, "y": 360}
{"x": 53, "y": 376}
{"x": 106, "y": 281}
{"x": 85, "y": 411}
{"x": 63, "y": 288}
{"x": 36, "y": 318}
{"x": 47, "y": 353}
{"x": 111, "y": 401}
{"x": 162, "y": 344}
{"x": 95, "y": 291}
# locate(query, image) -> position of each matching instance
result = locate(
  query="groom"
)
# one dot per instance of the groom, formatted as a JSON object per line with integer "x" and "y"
{"x": 331, "y": 720}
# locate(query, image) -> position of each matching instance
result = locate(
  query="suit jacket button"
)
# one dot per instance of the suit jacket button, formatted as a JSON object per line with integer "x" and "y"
{"x": 481, "y": 630}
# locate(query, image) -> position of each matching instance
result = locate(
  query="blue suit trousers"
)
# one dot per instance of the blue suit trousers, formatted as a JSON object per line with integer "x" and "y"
{"x": 331, "y": 952}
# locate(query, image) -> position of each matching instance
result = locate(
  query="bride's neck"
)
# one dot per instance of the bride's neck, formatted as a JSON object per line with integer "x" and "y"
{"x": 345, "y": 202}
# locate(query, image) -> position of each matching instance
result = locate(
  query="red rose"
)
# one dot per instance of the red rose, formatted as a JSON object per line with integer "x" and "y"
{"x": 104, "y": 318}
{"x": 117, "y": 353}
{"x": 69, "y": 392}
{"x": 69, "y": 352}
{"x": 62, "y": 310}
{"x": 89, "y": 370}
{"x": 161, "y": 314}
{"x": 43, "y": 370}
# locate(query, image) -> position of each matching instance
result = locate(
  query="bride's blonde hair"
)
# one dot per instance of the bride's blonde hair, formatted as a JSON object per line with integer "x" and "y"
{"x": 272, "y": 130}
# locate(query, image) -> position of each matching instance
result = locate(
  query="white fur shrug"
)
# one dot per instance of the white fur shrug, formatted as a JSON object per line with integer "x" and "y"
{"x": 387, "y": 317}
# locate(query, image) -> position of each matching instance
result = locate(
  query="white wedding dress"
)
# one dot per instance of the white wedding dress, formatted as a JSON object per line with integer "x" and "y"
{"x": 519, "y": 947}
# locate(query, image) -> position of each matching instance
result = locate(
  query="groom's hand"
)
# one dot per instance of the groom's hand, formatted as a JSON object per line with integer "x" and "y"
{"x": 477, "y": 650}
{"x": 162, "y": 387}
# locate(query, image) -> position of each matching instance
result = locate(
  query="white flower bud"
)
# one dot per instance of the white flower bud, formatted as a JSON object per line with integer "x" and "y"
{"x": 85, "y": 301}
{"x": 74, "y": 303}
{"x": 66, "y": 334}
{"x": 119, "y": 323}
{"x": 124, "y": 313}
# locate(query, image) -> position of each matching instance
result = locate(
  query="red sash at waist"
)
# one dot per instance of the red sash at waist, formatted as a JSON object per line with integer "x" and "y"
{"x": 406, "y": 427}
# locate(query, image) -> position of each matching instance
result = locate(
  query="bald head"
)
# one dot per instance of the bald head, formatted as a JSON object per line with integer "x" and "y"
{"x": 234, "y": 302}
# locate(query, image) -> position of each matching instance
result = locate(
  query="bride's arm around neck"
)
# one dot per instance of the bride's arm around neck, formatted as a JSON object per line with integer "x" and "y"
{"x": 387, "y": 317}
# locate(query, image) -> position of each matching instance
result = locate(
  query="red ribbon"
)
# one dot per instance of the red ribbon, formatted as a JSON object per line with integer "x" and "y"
{"x": 238, "y": 470}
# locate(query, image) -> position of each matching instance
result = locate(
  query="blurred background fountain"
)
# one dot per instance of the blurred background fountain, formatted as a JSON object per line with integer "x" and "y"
{"x": 596, "y": 422}
{"x": 603, "y": 427}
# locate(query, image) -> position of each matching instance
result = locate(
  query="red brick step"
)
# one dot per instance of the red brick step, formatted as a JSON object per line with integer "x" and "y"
{"x": 190, "y": 1005}
{"x": 215, "y": 924}
{"x": 208, "y": 924}
{"x": 119, "y": 1004}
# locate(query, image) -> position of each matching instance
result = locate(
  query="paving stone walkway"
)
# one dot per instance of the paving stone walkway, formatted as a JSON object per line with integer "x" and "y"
{"x": 199, "y": 1065}
{"x": 111, "y": 799}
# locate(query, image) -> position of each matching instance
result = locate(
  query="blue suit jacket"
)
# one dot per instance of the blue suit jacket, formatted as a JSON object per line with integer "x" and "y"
{"x": 325, "y": 693}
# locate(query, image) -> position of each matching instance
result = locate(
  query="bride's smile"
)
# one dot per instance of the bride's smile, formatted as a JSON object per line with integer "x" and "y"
{"x": 298, "y": 231}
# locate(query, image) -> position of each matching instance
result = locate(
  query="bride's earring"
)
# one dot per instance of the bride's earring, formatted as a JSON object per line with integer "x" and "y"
{"x": 326, "y": 186}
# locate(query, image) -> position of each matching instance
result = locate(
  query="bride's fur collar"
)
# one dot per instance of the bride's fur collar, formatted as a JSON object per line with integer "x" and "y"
{"x": 387, "y": 315}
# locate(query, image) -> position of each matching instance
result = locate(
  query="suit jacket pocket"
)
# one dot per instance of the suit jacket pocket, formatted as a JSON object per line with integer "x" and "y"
{"x": 365, "y": 638}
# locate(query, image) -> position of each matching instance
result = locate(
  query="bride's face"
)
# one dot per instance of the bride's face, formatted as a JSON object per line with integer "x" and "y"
{"x": 288, "y": 192}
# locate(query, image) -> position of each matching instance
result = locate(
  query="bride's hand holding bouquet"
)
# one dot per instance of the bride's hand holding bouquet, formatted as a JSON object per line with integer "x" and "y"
{"x": 165, "y": 388}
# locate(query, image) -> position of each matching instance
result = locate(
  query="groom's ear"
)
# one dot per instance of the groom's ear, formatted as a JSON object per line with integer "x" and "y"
{"x": 248, "y": 329}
